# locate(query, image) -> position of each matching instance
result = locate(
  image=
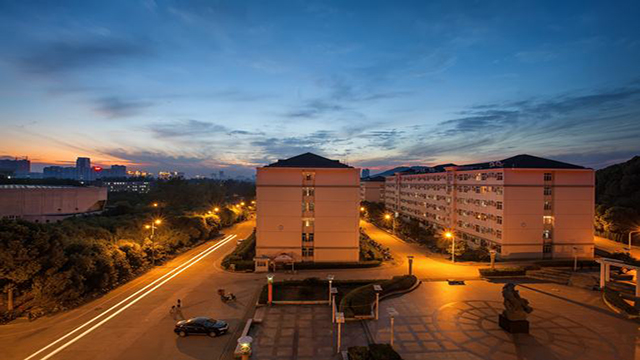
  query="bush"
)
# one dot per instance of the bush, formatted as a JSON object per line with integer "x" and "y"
{"x": 336, "y": 265}
{"x": 242, "y": 254}
{"x": 508, "y": 271}
{"x": 358, "y": 302}
{"x": 568, "y": 263}
{"x": 373, "y": 352}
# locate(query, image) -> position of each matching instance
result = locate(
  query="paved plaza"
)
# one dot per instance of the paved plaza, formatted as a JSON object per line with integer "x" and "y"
{"x": 441, "y": 321}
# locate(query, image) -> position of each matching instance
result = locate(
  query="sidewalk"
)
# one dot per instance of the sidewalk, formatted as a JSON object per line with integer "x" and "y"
{"x": 614, "y": 246}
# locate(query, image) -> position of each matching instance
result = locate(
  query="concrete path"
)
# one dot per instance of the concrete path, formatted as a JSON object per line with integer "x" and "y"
{"x": 614, "y": 246}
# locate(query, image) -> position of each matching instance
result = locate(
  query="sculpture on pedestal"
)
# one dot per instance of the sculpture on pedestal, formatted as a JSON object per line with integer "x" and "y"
{"x": 516, "y": 309}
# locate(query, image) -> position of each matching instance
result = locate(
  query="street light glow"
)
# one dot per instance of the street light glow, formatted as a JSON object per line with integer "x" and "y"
{"x": 216, "y": 209}
{"x": 361, "y": 208}
{"x": 242, "y": 203}
{"x": 158, "y": 221}
{"x": 155, "y": 204}
{"x": 387, "y": 216}
{"x": 448, "y": 234}
{"x": 147, "y": 226}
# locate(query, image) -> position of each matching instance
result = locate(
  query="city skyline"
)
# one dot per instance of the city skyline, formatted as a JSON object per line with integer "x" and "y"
{"x": 201, "y": 86}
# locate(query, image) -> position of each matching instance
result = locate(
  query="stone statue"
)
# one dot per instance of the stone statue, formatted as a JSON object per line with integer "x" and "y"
{"x": 515, "y": 307}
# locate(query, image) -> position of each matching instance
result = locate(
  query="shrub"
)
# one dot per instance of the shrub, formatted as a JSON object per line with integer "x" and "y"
{"x": 508, "y": 271}
{"x": 242, "y": 254}
{"x": 359, "y": 301}
{"x": 373, "y": 352}
{"x": 614, "y": 298}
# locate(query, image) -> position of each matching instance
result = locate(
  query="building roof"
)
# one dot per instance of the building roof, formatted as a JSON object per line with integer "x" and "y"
{"x": 22, "y": 186}
{"x": 373, "y": 179}
{"x": 523, "y": 161}
{"x": 309, "y": 160}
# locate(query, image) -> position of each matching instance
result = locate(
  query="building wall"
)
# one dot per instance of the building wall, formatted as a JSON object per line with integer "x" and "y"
{"x": 504, "y": 208}
{"x": 282, "y": 215}
{"x": 47, "y": 204}
{"x": 372, "y": 191}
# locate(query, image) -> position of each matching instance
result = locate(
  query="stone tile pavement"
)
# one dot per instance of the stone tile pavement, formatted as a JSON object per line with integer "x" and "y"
{"x": 439, "y": 321}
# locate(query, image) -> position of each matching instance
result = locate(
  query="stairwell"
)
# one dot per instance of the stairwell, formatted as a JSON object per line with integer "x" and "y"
{"x": 554, "y": 275}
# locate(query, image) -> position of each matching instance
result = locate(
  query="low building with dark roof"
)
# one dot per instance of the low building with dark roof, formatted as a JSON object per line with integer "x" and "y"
{"x": 308, "y": 210}
{"x": 522, "y": 206}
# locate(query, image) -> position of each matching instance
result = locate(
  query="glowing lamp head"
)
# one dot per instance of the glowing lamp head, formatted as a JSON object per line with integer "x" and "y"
{"x": 361, "y": 208}
{"x": 158, "y": 221}
{"x": 216, "y": 209}
{"x": 448, "y": 234}
{"x": 147, "y": 226}
{"x": 242, "y": 203}
{"x": 270, "y": 279}
{"x": 387, "y": 216}
{"x": 155, "y": 204}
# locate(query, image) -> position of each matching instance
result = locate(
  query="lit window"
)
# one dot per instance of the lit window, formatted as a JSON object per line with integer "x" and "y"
{"x": 546, "y": 234}
{"x": 547, "y": 205}
{"x": 547, "y": 220}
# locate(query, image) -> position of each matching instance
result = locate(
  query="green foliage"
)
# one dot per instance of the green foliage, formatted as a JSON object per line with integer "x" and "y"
{"x": 506, "y": 271}
{"x": 373, "y": 352}
{"x": 618, "y": 199}
{"x": 369, "y": 249}
{"x": 242, "y": 254}
{"x": 359, "y": 301}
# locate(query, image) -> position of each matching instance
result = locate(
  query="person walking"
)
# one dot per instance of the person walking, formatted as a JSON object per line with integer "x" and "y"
{"x": 172, "y": 312}
{"x": 179, "y": 304}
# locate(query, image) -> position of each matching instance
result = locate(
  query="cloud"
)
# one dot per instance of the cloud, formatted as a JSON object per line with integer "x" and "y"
{"x": 191, "y": 128}
{"x": 65, "y": 56}
{"x": 115, "y": 107}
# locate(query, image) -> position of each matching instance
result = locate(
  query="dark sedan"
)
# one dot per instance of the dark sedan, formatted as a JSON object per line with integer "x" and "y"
{"x": 201, "y": 325}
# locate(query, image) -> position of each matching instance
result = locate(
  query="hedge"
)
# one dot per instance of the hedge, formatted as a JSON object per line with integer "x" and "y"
{"x": 373, "y": 352}
{"x": 506, "y": 271}
{"x": 336, "y": 265}
{"x": 242, "y": 256}
{"x": 358, "y": 302}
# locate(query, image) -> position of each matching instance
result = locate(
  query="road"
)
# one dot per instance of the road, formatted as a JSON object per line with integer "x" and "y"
{"x": 133, "y": 321}
{"x": 613, "y": 246}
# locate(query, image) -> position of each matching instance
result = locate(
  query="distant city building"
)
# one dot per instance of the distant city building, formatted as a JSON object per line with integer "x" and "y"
{"x": 127, "y": 186}
{"x": 116, "y": 171}
{"x": 165, "y": 175}
{"x": 39, "y": 203}
{"x": 15, "y": 167}
{"x": 84, "y": 171}
{"x": 366, "y": 173}
{"x": 372, "y": 189}
{"x": 523, "y": 206}
{"x": 138, "y": 173}
{"x": 308, "y": 210}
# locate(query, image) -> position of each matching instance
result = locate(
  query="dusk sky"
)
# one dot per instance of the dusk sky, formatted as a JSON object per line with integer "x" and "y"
{"x": 199, "y": 86}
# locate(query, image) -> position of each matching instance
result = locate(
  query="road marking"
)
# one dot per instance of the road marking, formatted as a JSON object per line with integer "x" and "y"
{"x": 171, "y": 274}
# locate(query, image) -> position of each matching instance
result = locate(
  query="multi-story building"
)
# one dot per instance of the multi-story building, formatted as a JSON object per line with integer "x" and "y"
{"x": 523, "y": 206}
{"x": 40, "y": 203}
{"x": 16, "y": 167}
{"x": 372, "y": 189}
{"x": 307, "y": 208}
{"x": 138, "y": 186}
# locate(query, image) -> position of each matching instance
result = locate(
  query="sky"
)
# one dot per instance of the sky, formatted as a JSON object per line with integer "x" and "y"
{"x": 202, "y": 86}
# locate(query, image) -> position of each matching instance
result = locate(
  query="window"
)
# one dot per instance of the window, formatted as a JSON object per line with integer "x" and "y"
{"x": 307, "y": 237}
{"x": 499, "y": 234}
{"x": 307, "y": 222}
{"x": 547, "y": 177}
{"x": 499, "y": 205}
{"x": 499, "y": 219}
{"x": 304, "y": 237}
{"x": 499, "y": 176}
{"x": 547, "y": 205}
{"x": 307, "y": 206}
{"x": 308, "y": 191}
{"x": 307, "y": 251}
{"x": 546, "y": 248}
{"x": 546, "y": 234}
{"x": 547, "y": 190}
{"x": 547, "y": 220}
{"x": 308, "y": 176}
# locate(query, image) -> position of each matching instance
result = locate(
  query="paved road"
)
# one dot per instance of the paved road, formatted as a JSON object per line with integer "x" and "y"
{"x": 426, "y": 266}
{"x": 613, "y": 246}
{"x": 133, "y": 321}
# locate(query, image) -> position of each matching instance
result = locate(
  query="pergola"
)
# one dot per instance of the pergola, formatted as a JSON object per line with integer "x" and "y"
{"x": 605, "y": 271}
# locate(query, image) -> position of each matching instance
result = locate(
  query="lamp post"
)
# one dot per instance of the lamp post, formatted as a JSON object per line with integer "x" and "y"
{"x": 410, "y": 257}
{"x": 330, "y": 278}
{"x": 340, "y": 321}
{"x": 378, "y": 289}
{"x": 450, "y": 235}
{"x": 630, "y": 237}
{"x": 153, "y": 232}
{"x": 245, "y": 346}
{"x": 270, "y": 287}
{"x": 575, "y": 258}
{"x": 334, "y": 292}
{"x": 392, "y": 313}
{"x": 492, "y": 255}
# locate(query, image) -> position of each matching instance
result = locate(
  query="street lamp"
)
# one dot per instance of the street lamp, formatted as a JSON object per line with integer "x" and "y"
{"x": 340, "y": 321}
{"x": 492, "y": 254}
{"x": 155, "y": 204}
{"x": 216, "y": 209}
{"x": 410, "y": 257}
{"x": 630, "y": 237}
{"x": 242, "y": 203}
{"x": 330, "y": 278}
{"x": 245, "y": 346}
{"x": 393, "y": 224}
{"x": 270, "y": 286}
{"x": 153, "y": 232}
{"x": 450, "y": 235}
{"x": 378, "y": 289}
{"x": 392, "y": 313}
{"x": 362, "y": 209}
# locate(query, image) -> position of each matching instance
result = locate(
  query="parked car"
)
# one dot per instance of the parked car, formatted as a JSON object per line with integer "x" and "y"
{"x": 201, "y": 325}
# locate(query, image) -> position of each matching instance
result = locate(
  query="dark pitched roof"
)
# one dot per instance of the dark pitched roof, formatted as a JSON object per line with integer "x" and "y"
{"x": 309, "y": 160}
{"x": 374, "y": 179}
{"x": 523, "y": 162}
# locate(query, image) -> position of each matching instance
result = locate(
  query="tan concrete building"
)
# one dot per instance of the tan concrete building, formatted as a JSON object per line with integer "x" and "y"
{"x": 372, "y": 189}
{"x": 40, "y": 203}
{"x": 308, "y": 208}
{"x": 523, "y": 206}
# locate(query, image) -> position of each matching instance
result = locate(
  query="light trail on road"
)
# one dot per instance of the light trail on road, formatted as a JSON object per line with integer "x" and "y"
{"x": 162, "y": 280}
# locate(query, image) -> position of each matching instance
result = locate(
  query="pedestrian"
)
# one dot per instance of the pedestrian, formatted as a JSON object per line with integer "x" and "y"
{"x": 179, "y": 313}
{"x": 179, "y": 304}
{"x": 172, "y": 312}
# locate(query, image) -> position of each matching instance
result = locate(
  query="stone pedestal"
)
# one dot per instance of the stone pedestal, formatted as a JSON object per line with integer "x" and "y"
{"x": 514, "y": 326}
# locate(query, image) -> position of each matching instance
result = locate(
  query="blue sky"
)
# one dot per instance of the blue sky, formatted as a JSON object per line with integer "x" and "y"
{"x": 199, "y": 86}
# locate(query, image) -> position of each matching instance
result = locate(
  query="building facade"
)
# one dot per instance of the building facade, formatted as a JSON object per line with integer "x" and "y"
{"x": 372, "y": 189}
{"x": 523, "y": 207}
{"x": 40, "y": 203}
{"x": 137, "y": 186}
{"x": 308, "y": 209}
